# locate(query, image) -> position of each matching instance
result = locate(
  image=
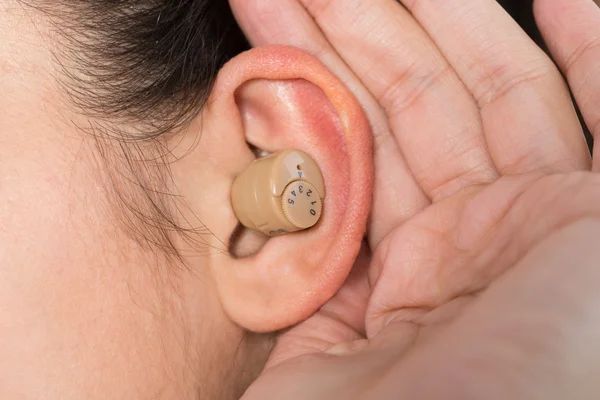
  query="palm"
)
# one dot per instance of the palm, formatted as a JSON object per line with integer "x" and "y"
{"x": 457, "y": 247}
{"x": 442, "y": 261}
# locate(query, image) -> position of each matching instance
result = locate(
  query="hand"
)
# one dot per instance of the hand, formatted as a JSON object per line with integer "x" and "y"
{"x": 482, "y": 190}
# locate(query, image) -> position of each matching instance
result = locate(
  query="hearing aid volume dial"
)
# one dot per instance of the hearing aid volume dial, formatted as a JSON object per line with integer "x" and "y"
{"x": 279, "y": 193}
{"x": 301, "y": 204}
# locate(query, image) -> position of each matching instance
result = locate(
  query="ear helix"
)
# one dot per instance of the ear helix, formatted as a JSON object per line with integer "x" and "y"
{"x": 280, "y": 193}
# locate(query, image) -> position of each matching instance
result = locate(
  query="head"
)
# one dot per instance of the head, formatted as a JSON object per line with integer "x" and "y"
{"x": 125, "y": 273}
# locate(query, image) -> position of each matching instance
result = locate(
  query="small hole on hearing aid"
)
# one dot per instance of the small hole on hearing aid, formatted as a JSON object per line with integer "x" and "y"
{"x": 299, "y": 167}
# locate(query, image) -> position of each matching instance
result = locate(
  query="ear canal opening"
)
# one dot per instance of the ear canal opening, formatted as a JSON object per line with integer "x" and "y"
{"x": 244, "y": 242}
{"x": 234, "y": 240}
{"x": 257, "y": 151}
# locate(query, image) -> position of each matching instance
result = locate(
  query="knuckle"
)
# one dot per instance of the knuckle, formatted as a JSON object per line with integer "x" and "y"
{"x": 582, "y": 51}
{"x": 496, "y": 83}
{"x": 411, "y": 84}
{"x": 479, "y": 174}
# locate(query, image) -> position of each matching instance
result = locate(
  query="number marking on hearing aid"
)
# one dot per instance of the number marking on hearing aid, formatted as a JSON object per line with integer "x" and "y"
{"x": 299, "y": 206}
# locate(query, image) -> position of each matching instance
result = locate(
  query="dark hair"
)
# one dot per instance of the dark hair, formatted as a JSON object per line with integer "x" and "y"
{"x": 148, "y": 65}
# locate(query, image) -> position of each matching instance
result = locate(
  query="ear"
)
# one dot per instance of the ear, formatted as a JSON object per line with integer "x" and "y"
{"x": 279, "y": 98}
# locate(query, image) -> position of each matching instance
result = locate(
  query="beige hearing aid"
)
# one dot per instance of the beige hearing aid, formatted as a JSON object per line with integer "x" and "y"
{"x": 280, "y": 193}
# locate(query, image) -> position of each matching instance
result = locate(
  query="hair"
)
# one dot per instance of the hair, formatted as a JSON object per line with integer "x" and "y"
{"x": 141, "y": 70}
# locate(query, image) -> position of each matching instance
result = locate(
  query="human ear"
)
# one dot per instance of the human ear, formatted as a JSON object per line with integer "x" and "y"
{"x": 277, "y": 98}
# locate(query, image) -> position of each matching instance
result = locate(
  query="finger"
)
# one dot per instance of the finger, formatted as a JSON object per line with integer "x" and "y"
{"x": 527, "y": 113}
{"x": 572, "y": 31}
{"x": 397, "y": 197}
{"x": 432, "y": 115}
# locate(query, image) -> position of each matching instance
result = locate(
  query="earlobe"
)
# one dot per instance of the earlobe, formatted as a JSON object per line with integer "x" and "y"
{"x": 286, "y": 99}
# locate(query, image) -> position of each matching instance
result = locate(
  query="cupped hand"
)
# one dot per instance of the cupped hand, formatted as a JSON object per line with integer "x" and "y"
{"x": 483, "y": 224}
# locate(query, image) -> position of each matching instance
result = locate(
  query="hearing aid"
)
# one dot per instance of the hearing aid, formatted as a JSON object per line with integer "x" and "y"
{"x": 280, "y": 193}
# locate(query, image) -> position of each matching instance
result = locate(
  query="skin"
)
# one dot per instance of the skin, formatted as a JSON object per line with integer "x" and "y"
{"x": 480, "y": 217}
{"x": 483, "y": 277}
{"x": 86, "y": 311}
